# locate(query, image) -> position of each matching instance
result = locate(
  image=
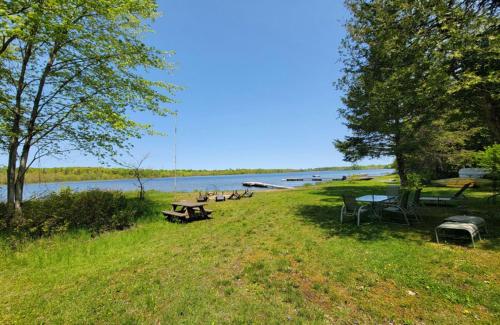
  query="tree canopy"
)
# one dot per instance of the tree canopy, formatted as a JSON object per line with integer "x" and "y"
{"x": 71, "y": 71}
{"x": 421, "y": 81}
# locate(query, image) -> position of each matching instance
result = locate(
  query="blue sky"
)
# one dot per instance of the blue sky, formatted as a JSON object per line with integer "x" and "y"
{"x": 257, "y": 78}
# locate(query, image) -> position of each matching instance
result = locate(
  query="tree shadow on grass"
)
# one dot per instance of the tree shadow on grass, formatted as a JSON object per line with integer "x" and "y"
{"x": 334, "y": 194}
{"x": 327, "y": 216}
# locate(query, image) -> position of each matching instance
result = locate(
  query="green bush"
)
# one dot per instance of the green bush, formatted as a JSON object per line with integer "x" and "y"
{"x": 94, "y": 210}
{"x": 490, "y": 159}
{"x": 415, "y": 180}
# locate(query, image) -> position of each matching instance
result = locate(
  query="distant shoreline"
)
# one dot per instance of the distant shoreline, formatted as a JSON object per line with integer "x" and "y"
{"x": 69, "y": 174}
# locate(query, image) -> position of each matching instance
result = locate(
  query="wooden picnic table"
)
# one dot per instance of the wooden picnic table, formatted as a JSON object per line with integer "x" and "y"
{"x": 187, "y": 210}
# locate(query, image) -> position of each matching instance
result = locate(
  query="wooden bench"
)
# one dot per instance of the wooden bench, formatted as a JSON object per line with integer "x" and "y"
{"x": 174, "y": 214}
{"x": 197, "y": 213}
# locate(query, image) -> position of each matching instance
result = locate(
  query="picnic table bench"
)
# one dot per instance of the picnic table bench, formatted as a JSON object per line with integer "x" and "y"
{"x": 175, "y": 214}
{"x": 186, "y": 210}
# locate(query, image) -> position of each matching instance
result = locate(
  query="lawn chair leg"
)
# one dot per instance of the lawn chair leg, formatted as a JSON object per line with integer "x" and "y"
{"x": 417, "y": 216}
{"x": 406, "y": 218}
{"x": 473, "y": 244}
{"x": 342, "y": 214}
{"x": 437, "y": 237}
{"x": 361, "y": 209}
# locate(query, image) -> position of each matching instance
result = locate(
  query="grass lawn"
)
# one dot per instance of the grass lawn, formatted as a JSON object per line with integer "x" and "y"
{"x": 275, "y": 258}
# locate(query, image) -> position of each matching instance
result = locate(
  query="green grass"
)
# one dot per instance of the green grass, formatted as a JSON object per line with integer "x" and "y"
{"x": 279, "y": 257}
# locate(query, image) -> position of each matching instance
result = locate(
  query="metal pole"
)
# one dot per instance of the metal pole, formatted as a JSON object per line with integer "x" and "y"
{"x": 175, "y": 153}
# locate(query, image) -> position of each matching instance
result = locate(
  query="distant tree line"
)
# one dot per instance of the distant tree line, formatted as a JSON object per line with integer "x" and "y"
{"x": 40, "y": 175}
{"x": 421, "y": 82}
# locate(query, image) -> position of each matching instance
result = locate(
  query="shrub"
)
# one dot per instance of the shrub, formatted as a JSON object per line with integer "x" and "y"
{"x": 94, "y": 210}
{"x": 490, "y": 159}
{"x": 415, "y": 180}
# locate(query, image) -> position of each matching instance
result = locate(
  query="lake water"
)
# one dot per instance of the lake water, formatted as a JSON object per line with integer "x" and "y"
{"x": 194, "y": 183}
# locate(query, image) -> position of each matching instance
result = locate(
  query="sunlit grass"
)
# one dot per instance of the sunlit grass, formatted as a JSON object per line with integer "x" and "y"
{"x": 278, "y": 257}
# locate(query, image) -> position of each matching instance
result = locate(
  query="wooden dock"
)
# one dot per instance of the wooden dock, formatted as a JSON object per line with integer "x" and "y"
{"x": 265, "y": 185}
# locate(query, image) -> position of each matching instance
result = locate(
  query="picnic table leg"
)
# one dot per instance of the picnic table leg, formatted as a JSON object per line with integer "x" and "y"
{"x": 175, "y": 206}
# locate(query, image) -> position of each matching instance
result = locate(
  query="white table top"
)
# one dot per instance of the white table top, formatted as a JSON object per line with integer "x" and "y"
{"x": 373, "y": 198}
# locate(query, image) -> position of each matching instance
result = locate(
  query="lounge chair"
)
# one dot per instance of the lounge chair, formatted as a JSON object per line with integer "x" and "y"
{"x": 247, "y": 194}
{"x": 453, "y": 226}
{"x": 453, "y": 229}
{"x": 234, "y": 196}
{"x": 202, "y": 197}
{"x": 220, "y": 197}
{"x": 446, "y": 201}
{"x": 479, "y": 222}
{"x": 351, "y": 208}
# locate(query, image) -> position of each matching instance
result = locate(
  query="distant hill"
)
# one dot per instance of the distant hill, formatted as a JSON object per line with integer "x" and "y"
{"x": 60, "y": 174}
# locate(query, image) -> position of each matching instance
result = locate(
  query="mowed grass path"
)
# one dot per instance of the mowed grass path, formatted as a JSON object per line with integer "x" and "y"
{"x": 280, "y": 257}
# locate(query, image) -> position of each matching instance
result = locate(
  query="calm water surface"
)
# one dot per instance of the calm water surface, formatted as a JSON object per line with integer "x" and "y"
{"x": 194, "y": 183}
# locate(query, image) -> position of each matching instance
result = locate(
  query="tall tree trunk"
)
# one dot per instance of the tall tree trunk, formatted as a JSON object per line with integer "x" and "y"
{"x": 493, "y": 121}
{"x": 401, "y": 168}
{"x": 14, "y": 137}
{"x": 400, "y": 160}
{"x": 16, "y": 187}
{"x": 21, "y": 174}
{"x": 11, "y": 176}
